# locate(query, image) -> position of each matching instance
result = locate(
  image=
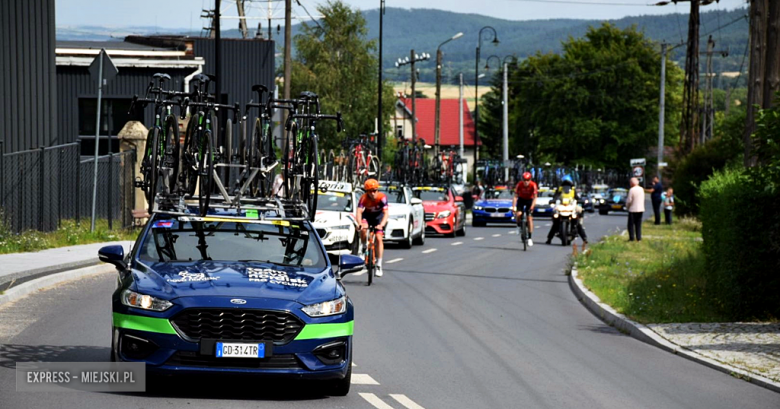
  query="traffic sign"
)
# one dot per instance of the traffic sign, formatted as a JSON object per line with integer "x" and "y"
{"x": 109, "y": 69}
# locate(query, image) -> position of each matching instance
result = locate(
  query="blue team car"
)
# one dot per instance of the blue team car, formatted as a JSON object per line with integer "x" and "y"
{"x": 233, "y": 293}
{"x": 496, "y": 207}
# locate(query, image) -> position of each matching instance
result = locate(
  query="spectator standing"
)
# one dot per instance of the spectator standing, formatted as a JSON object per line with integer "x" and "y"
{"x": 636, "y": 209}
{"x": 655, "y": 196}
{"x": 668, "y": 203}
{"x": 478, "y": 191}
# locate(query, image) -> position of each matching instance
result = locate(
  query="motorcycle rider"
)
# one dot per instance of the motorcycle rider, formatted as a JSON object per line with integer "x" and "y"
{"x": 566, "y": 191}
{"x": 524, "y": 202}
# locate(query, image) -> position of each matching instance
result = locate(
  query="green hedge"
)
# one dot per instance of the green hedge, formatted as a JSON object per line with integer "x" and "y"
{"x": 741, "y": 232}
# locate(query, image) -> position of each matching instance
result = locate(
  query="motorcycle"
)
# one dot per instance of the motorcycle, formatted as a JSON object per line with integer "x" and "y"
{"x": 566, "y": 213}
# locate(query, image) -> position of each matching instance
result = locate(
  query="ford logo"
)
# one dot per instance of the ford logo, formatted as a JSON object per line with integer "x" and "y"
{"x": 238, "y": 301}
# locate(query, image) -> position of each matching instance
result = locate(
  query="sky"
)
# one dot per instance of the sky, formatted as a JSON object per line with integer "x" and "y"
{"x": 186, "y": 13}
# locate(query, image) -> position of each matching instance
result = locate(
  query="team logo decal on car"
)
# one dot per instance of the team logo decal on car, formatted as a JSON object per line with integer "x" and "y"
{"x": 267, "y": 275}
{"x": 191, "y": 277}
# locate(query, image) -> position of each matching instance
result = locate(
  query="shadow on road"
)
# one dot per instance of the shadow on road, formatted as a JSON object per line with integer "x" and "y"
{"x": 10, "y": 354}
{"x": 563, "y": 281}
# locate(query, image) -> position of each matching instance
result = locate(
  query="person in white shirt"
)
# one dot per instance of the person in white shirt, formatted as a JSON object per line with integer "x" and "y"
{"x": 635, "y": 204}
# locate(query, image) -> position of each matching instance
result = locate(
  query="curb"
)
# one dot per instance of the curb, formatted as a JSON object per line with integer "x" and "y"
{"x": 17, "y": 279}
{"x": 31, "y": 286}
{"x": 641, "y": 332}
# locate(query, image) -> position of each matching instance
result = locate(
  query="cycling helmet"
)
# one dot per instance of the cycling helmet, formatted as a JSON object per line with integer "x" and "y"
{"x": 371, "y": 184}
{"x": 567, "y": 179}
{"x": 526, "y": 175}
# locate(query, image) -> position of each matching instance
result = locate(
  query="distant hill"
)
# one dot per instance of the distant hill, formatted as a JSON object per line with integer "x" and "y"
{"x": 424, "y": 29}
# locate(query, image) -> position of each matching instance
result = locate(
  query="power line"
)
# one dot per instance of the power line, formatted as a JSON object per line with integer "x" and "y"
{"x": 724, "y": 26}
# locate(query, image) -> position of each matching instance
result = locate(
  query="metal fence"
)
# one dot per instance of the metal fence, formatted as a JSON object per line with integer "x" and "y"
{"x": 41, "y": 187}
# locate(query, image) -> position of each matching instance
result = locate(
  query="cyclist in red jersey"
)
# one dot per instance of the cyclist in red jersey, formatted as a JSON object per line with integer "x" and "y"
{"x": 524, "y": 202}
{"x": 373, "y": 211}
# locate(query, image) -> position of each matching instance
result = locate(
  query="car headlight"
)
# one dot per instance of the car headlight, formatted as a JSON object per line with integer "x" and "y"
{"x": 444, "y": 214}
{"x": 143, "y": 301}
{"x": 477, "y": 207}
{"x": 397, "y": 216}
{"x": 602, "y": 201}
{"x": 327, "y": 308}
{"x": 342, "y": 227}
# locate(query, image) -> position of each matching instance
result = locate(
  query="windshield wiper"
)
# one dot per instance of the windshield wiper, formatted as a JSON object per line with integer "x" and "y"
{"x": 267, "y": 261}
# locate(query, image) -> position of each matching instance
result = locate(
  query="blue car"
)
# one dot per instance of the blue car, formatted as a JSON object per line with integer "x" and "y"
{"x": 495, "y": 207}
{"x": 233, "y": 294}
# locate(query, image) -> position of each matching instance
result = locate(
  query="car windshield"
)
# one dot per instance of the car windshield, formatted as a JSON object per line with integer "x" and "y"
{"x": 499, "y": 194}
{"x": 282, "y": 242}
{"x": 334, "y": 201}
{"x": 394, "y": 194}
{"x": 425, "y": 194}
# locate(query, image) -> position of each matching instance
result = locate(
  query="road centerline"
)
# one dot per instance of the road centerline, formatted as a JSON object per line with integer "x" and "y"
{"x": 429, "y": 251}
{"x": 457, "y": 243}
{"x": 395, "y": 260}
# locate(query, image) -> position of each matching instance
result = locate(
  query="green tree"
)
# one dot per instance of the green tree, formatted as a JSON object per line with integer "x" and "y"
{"x": 335, "y": 60}
{"x": 596, "y": 103}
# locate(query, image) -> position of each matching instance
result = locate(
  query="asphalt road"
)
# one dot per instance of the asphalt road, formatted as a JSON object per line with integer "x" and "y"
{"x": 467, "y": 322}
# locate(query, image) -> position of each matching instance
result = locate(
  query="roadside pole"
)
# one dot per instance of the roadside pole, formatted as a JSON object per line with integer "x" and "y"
{"x": 460, "y": 122}
{"x": 661, "y": 108}
{"x": 96, "y": 69}
{"x": 506, "y": 126}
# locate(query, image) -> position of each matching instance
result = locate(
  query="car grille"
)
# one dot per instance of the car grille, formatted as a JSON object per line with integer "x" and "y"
{"x": 503, "y": 210}
{"x": 322, "y": 233}
{"x": 256, "y": 325}
{"x": 188, "y": 358}
{"x": 490, "y": 209}
{"x": 429, "y": 216}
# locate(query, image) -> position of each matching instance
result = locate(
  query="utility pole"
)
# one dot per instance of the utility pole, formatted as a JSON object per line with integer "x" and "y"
{"x": 708, "y": 111}
{"x": 506, "y": 124}
{"x": 436, "y": 127}
{"x": 287, "y": 49}
{"x": 241, "y": 18}
{"x": 380, "y": 132}
{"x": 411, "y": 60}
{"x": 661, "y": 109}
{"x": 460, "y": 116}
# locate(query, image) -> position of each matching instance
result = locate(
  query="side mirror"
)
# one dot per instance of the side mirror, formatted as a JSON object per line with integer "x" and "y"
{"x": 114, "y": 255}
{"x": 416, "y": 201}
{"x": 350, "y": 264}
{"x": 458, "y": 198}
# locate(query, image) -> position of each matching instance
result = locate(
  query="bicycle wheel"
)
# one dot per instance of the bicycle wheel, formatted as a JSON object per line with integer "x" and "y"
{"x": 189, "y": 175}
{"x": 311, "y": 180}
{"x": 146, "y": 163}
{"x": 373, "y": 168}
{"x": 153, "y": 172}
{"x": 205, "y": 172}
{"x": 370, "y": 259}
{"x": 172, "y": 151}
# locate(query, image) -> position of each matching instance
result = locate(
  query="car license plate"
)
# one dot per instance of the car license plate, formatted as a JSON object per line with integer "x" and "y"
{"x": 497, "y": 215}
{"x": 240, "y": 350}
{"x": 617, "y": 207}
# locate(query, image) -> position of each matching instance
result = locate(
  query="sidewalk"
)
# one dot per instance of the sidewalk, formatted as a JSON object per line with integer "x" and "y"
{"x": 17, "y": 268}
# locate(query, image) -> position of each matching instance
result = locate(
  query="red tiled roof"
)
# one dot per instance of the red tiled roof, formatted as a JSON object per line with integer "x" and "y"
{"x": 426, "y": 119}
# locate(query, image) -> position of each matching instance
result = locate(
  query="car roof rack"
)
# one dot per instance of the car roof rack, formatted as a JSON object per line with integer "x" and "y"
{"x": 246, "y": 208}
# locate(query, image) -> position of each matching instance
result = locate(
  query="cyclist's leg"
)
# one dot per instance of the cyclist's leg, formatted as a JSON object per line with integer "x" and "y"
{"x": 379, "y": 245}
{"x": 363, "y": 231}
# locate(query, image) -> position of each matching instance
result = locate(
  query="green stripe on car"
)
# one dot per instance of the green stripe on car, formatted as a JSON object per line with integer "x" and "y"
{"x": 149, "y": 324}
{"x": 315, "y": 331}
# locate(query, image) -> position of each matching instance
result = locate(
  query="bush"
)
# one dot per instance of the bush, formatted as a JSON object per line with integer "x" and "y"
{"x": 695, "y": 168}
{"x": 741, "y": 232}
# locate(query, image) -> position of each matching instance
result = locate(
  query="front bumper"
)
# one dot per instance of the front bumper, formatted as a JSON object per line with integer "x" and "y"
{"x": 441, "y": 226}
{"x": 495, "y": 217}
{"x": 543, "y": 212}
{"x": 397, "y": 230}
{"x": 167, "y": 350}
{"x": 335, "y": 240}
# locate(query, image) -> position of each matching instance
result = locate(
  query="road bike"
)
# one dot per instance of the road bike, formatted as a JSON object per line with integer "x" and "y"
{"x": 523, "y": 226}
{"x": 369, "y": 253}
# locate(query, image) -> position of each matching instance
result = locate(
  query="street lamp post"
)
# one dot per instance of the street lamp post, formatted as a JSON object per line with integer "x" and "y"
{"x": 380, "y": 133}
{"x": 476, "y": 95}
{"x": 438, "y": 91}
{"x": 506, "y": 119}
{"x": 413, "y": 58}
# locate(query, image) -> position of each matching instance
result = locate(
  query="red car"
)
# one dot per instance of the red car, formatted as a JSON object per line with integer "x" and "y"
{"x": 445, "y": 212}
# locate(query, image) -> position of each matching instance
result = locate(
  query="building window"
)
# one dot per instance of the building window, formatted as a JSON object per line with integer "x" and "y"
{"x": 399, "y": 131}
{"x": 113, "y": 117}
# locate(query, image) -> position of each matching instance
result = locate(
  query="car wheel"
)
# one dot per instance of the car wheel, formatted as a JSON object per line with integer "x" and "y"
{"x": 421, "y": 239}
{"x": 603, "y": 212}
{"x": 341, "y": 387}
{"x": 462, "y": 231}
{"x": 407, "y": 243}
{"x": 475, "y": 223}
{"x": 113, "y": 345}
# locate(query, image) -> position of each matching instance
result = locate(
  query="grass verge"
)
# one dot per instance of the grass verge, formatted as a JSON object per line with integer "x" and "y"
{"x": 69, "y": 234}
{"x": 661, "y": 279}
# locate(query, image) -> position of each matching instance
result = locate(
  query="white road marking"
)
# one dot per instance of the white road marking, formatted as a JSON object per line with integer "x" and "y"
{"x": 548, "y": 224}
{"x": 374, "y": 400}
{"x": 360, "y": 273}
{"x": 512, "y": 232}
{"x": 457, "y": 243}
{"x": 429, "y": 251}
{"x": 408, "y": 403}
{"x": 478, "y": 238}
{"x": 395, "y": 260}
{"x": 354, "y": 364}
{"x": 363, "y": 379}
{"x": 496, "y": 235}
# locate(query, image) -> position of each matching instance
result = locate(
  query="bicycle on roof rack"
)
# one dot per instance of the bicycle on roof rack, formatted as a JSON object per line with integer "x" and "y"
{"x": 361, "y": 162}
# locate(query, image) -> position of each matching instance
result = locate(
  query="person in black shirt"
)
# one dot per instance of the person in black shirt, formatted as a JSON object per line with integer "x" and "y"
{"x": 655, "y": 195}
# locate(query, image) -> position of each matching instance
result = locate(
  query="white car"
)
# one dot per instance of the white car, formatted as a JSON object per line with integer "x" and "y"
{"x": 406, "y": 223}
{"x": 335, "y": 220}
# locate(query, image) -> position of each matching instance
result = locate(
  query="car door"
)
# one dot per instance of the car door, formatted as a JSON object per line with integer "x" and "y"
{"x": 418, "y": 212}
{"x": 460, "y": 209}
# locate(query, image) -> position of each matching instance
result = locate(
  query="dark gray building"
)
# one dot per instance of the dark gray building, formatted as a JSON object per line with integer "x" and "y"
{"x": 28, "y": 92}
{"x": 245, "y": 63}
